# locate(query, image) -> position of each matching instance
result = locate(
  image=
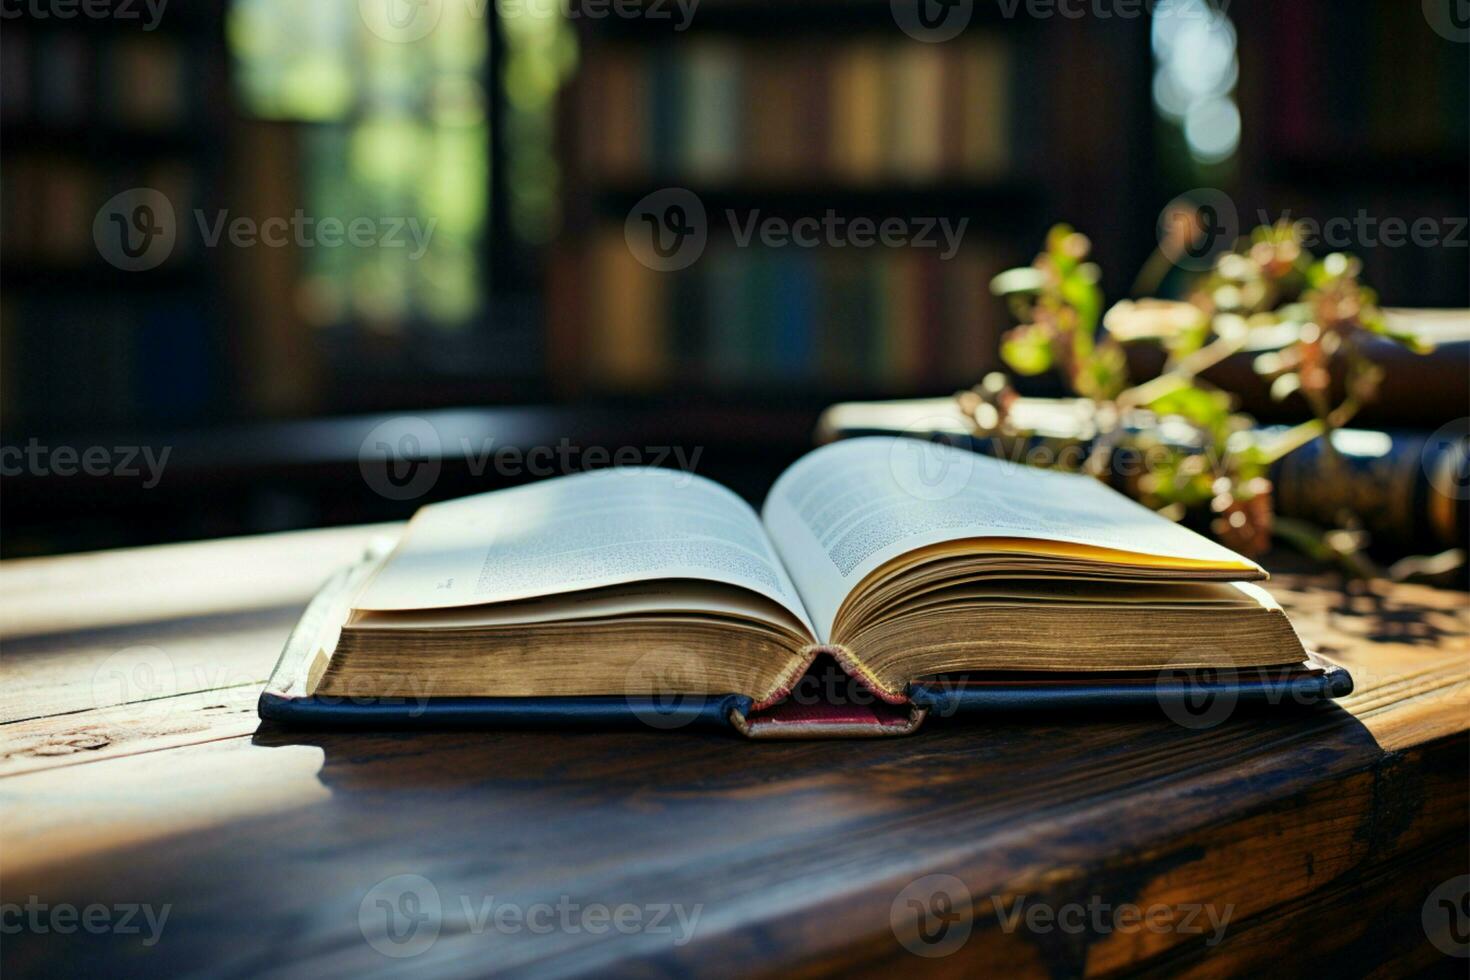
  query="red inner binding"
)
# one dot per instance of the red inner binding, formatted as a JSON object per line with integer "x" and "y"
{"x": 828, "y": 695}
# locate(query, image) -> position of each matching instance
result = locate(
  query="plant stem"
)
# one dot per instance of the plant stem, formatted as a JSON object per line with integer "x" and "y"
{"x": 1293, "y": 439}
{"x": 1151, "y": 276}
{"x": 1181, "y": 375}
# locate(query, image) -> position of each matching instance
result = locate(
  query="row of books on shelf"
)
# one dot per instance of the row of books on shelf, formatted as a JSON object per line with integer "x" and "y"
{"x": 746, "y": 318}
{"x": 1378, "y": 79}
{"x": 142, "y": 81}
{"x": 1411, "y": 235}
{"x": 93, "y": 363}
{"x": 855, "y": 111}
{"x": 51, "y": 201}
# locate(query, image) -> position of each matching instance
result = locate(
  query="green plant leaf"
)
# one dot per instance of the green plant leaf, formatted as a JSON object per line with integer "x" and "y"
{"x": 1027, "y": 350}
{"x": 1083, "y": 296}
{"x": 1105, "y": 373}
{"x": 1209, "y": 410}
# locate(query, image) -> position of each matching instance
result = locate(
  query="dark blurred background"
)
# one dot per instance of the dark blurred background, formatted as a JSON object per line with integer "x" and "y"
{"x": 173, "y": 280}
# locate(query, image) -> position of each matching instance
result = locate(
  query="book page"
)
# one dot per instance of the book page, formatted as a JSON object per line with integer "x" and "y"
{"x": 662, "y": 598}
{"x": 589, "y": 531}
{"x": 844, "y": 510}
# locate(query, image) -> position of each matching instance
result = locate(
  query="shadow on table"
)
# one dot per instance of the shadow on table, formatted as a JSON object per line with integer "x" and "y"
{"x": 1015, "y": 748}
{"x": 748, "y": 831}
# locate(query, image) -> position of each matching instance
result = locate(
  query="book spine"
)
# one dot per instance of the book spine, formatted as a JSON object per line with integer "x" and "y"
{"x": 795, "y": 311}
{"x": 1408, "y": 488}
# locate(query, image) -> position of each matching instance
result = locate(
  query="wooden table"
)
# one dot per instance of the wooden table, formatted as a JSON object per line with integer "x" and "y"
{"x": 1320, "y": 833}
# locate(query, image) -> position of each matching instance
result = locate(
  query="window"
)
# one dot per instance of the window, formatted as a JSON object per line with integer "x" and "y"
{"x": 394, "y": 129}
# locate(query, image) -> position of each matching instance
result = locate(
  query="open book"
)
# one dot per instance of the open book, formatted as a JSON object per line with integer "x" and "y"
{"x": 909, "y": 571}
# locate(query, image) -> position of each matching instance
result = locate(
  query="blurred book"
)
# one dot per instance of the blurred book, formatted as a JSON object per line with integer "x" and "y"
{"x": 1417, "y": 390}
{"x": 1377, "y": 81}
{"x": 752, "y": 317}
{"x": 854, "y": 111}
{"x": 99, "y": 112}
{"x": 771, "y": 112}
{"x": 1407, "y": 487}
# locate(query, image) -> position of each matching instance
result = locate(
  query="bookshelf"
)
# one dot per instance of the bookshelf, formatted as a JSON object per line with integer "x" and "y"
{"x": 91, "y": 108}
{"x": 1357, "y": 107}
{"x": 803, "y": 110}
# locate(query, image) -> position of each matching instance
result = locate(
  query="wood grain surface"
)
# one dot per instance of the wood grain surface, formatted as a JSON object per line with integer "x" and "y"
{"x": 1318, "y": 832}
